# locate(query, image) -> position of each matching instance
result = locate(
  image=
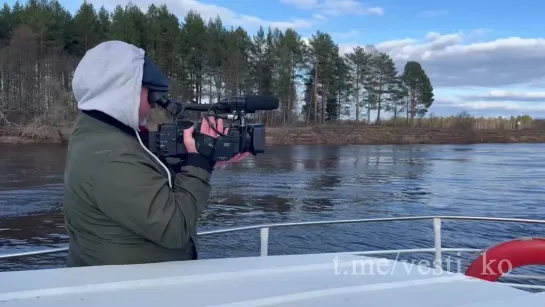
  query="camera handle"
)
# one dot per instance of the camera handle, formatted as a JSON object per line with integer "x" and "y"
{"x": 222, "y": 148}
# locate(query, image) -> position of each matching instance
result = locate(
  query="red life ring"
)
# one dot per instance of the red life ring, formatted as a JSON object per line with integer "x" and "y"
{"x": 506, "y": 256}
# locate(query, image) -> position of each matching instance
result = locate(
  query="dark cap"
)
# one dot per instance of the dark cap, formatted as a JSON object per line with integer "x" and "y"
{"x": 153, "y": 78}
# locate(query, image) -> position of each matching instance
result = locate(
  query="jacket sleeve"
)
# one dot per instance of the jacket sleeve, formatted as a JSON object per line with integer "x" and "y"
{"x": 131, "y": 191}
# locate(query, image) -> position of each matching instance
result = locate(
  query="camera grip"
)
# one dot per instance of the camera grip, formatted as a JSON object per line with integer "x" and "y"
{"x": 205, "y": 145}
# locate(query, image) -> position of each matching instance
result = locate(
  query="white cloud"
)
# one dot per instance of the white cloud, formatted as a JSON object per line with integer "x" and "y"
{"x": 512, "y": 107}
{"x": 458, "y": 60}
{"x": 502, "y": 76}
{"x": 207, "y": 11}
{"x": 490, "y": 101}
{"x": 318, "y": 17}
{"x": 498, "y": 95}
{"x": 377, "y": 10}
{"x": 302, "y": 4}
{"x": 336, "y": 7}
{"x": 211, "y": 11}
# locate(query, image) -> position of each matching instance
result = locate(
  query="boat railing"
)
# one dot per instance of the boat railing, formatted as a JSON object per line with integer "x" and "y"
{"x": 437, "y": 249}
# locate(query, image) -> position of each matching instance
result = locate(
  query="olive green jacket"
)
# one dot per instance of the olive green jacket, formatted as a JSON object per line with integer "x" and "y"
{"x": 118, "y": 206}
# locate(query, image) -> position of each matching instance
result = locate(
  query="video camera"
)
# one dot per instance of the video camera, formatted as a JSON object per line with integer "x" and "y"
{"x": 167, "y": 141}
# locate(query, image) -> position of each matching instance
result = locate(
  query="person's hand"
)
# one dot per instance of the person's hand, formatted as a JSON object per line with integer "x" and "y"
{"x": 237, "y": 158}
{"x": 189, "y": 141}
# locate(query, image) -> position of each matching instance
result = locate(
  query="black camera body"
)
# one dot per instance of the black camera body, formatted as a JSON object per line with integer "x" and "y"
{"x": 167, "y": 141}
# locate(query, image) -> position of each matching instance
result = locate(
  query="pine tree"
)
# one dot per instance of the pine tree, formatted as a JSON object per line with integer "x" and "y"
{"x": 41, "y": 44}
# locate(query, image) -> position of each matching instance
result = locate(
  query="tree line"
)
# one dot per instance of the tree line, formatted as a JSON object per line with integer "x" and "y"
{"x": 41, "y": 43}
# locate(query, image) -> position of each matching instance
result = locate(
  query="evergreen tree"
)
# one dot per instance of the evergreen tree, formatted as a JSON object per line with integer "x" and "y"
{"x": 41, "y": 44}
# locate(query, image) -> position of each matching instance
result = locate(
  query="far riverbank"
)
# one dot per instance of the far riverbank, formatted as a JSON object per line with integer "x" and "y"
{"x": 387, "y": 135}
{"x": 336, "y": 134}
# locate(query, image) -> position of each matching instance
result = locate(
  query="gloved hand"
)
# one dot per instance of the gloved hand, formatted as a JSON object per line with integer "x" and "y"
{"x": 189, "y": 141}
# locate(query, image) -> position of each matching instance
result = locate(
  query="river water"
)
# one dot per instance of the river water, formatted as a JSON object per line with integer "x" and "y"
{"x": 304, "y": 183}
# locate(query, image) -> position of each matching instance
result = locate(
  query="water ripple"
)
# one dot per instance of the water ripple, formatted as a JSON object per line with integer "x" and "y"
{"x": 312, "y": 183}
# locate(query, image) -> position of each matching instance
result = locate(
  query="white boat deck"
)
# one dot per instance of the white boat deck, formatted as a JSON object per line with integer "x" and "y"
{"x": 294, "y": 280}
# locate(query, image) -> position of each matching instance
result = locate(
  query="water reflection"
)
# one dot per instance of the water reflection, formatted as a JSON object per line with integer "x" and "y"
{"x": 27, "y": 166}
{"x": 294, "y": 183}
{"x": 44, "y": 229}
{"x": 324, "y": 182}
{"x": 315, "y": 205}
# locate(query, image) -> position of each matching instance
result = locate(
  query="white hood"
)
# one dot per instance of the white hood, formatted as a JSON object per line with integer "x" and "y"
{"x": 109, "y": 79}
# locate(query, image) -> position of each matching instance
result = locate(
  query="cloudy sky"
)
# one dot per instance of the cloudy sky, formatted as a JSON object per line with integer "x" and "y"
{"x": 485, "y": 57}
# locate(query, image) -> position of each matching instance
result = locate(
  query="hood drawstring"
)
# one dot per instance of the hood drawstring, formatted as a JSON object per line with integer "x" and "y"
{"x": 144, "y": 129}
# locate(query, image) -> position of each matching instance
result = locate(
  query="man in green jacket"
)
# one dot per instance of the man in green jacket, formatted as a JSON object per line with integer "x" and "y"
{"x": 120, "y": 206}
